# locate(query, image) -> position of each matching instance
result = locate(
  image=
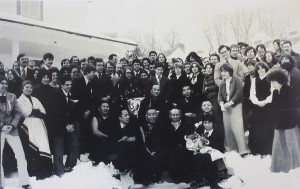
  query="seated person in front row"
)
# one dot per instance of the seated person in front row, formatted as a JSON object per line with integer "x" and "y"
{"x": 207, "y": 146}
{"x": 101, "y": 125}
{"x": 125, "y": 141}
{"x": 154, "y": 153}
{"x": 179, "y": 161}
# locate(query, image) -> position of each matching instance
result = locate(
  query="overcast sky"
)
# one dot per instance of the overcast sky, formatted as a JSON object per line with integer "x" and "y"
{"x": 162, "y": 14}
{"x": 185, "y": 16}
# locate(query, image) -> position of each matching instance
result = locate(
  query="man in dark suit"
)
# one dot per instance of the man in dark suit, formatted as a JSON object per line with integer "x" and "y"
{"x": 213, "y": 171}
{"x": 110, "y": 72}
{"x": 180, "y": 159}
{"x": 160, "y": 80}
{"x": 84, "y": 90}
{"x": 64, "y": 126}
{"x": 154, "y": 153}
{"x": 208, "y": 129}
{"x": 152, "y": 56}
{"x": 103, "y": 82}
{"x": 24, "y": 72}
{"x": 136, "y": 68}
{"x": 155, "y": 101}
{"x": 125, "y": 141}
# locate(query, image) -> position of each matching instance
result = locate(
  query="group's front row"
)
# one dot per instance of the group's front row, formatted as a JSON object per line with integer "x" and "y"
{"x": 146, "y": 147}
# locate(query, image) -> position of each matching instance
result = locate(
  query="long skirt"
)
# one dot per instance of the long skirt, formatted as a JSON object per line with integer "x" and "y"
{"x": 261, "y": 131}
{"x": 36, "y": 147}
{"x": 286, "y": 150}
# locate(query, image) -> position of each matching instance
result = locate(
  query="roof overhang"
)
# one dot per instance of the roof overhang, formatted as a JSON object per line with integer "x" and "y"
{"x": 35, "y": 39}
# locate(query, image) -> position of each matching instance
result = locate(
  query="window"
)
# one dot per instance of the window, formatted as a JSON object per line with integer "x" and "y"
{"x": 30, "y": 9}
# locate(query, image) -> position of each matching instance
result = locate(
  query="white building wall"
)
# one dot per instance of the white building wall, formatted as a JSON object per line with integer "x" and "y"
{"x": 69, "y": 14}
{"x": 8, "y": 7}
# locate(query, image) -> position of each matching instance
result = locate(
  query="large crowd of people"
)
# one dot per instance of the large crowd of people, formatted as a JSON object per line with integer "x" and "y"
{"x": 149, "y": 115}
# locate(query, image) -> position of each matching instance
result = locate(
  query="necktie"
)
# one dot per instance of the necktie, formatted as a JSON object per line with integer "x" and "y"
{"x": 68, "y": 98}
{"x": 194, "y": 79}
{"x": 158, "y": 80}
{"x": 206, "y": 134}
{"x": 2, "y": 99}
{"x": 89, "y": 85}
{"x": 23, "y": 74}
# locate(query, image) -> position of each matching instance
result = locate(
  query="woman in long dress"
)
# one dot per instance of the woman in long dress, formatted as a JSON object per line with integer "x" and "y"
{"x": 286, "y": 142}
{"x": 261, "y": 131}
{"x": 101, "y": 134}
{"x": 35, "y": 137}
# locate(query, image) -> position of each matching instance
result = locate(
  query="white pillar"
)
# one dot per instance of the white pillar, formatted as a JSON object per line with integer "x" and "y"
{"x": 15, "y": 50}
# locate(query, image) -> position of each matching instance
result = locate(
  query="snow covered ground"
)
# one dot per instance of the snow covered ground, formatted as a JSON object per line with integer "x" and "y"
{"x": 254, "y": 170}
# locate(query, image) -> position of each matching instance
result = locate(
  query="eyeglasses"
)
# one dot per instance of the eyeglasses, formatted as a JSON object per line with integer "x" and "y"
{"x": 75, "y": 72}
{"x": 4, "y": 83}
{"x": 128, "y": 72}
{"x": 223, "y": 52}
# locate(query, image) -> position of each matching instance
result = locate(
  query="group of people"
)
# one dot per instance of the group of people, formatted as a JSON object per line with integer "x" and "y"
{"x": 151, "y": 115}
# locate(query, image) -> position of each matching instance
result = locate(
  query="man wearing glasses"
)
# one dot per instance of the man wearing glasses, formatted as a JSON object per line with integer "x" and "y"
{"x": 226, "y": 59}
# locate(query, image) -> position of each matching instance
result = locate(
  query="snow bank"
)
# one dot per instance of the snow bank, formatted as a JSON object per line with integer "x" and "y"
{"x": 253, "y": 170}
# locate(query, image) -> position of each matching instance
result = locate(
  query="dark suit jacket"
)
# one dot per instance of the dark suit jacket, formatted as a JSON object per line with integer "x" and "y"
{"x": 117, "y": 133}
{"x": 61, "y": 113}
{"x": 175, "y": 138}
{"x": 29, "y": 75}
{"x": 10, "y": 113}
{"x": 235, "y": 88}
{"x": 216, "y": 140}
{"x": 176, "y": 86}
{"x": 189, "y": 106}
{"x": 104, "y": 85}
{"x": 85, "y": 95}
{"x": 164, "y": 86}
{"x": 155, "y": 139}
{"x": 159, "y": 104}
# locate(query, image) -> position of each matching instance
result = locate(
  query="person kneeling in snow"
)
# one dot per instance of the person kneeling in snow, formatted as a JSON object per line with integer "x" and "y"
{"x": 207, "y": 146}
{"x": 125, "y": 141}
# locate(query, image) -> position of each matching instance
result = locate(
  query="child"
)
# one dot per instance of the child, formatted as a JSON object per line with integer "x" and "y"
{"x": 208, "y": 147}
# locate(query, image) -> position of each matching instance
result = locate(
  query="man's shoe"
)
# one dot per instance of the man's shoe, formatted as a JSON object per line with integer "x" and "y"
{"x": 27, "y": 186}
{"x": 117, "y": 176}
{"x": 95, "y": 163}
{"x": 68, "y": 169}
{"x": 245, "y": 155}
{"x": 223, "y": 175}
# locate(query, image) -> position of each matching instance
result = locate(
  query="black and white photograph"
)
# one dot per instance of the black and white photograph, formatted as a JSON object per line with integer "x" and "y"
{"x": 158, "y": 94}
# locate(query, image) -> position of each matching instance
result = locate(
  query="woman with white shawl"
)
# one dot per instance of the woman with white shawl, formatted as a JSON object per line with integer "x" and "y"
{"x": 35, "y": 137}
